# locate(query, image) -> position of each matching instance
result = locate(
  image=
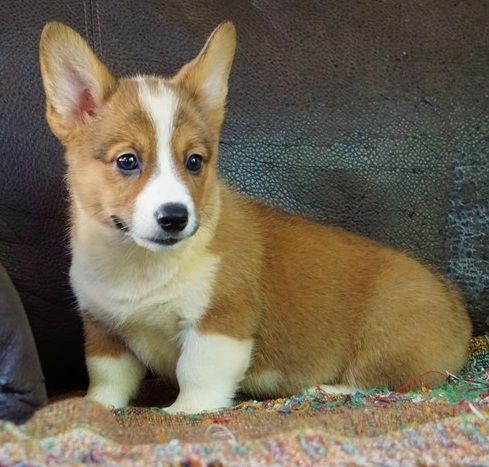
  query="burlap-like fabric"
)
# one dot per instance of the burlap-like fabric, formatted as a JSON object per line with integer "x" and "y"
{"x": 441, "y": 426}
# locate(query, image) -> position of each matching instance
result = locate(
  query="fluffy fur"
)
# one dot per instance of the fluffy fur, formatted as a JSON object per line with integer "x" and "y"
{"x": 246, "y": 297}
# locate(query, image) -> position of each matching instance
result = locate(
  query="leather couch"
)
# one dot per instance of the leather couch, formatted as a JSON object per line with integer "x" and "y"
{"x": 22, "y": 388}
{"x": 369, "y": 115}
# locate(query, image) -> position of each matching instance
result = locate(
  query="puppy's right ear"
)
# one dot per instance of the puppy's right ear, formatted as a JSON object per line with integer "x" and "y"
{"x": 76, "y": 82}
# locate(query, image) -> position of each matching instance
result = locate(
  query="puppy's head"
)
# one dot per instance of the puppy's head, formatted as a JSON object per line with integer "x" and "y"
{"x": 141, "y": 152}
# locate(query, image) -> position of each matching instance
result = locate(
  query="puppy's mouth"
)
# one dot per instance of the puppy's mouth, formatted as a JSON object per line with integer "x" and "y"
{"x": 168, "y": 241}
{"x": 165, "y": 241}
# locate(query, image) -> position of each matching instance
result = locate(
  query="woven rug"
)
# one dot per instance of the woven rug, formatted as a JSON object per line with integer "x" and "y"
{"x": 442, "y": 426}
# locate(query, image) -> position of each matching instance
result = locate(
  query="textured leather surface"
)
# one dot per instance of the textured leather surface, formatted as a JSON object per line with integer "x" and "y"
{"x": 33, "y": 229}
{"x": 370, "y": 115}
{"x": 22, "y": 387}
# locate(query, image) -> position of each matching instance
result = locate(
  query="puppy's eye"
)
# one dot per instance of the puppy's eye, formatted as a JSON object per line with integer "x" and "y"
{"x": 128, "y": 163}
{"x": 194, "y": 163}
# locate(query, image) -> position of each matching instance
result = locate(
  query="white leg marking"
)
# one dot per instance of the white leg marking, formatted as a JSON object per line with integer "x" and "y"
{"x": 209, "y": 370}
{"x": 114, "y": 380}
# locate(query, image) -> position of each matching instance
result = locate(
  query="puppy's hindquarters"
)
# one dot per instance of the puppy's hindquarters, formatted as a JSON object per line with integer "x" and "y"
{"x": 416, "y": 329}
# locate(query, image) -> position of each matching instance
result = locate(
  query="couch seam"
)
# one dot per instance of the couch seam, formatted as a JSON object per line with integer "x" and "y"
{"x": 98, "y": 27}
{"x": 93, "y": 21}
{"x": 87, "y": 11}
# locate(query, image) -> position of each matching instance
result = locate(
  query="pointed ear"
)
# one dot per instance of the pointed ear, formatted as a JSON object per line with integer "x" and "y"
{"x": 76, "y": 82}
{"x": 206, "y": 76}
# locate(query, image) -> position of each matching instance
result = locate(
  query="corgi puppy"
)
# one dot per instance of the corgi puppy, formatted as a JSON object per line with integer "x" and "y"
{"x": 175, "y": 272}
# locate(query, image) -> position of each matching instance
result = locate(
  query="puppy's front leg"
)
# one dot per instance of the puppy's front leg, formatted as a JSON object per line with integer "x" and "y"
{"x": 114, "y": 372}
{"x": 209, "y": 370}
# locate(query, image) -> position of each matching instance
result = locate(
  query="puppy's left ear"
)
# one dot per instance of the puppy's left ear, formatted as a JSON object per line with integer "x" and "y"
{"x": 206, "y": 76}
{"x": 76, "y": 82}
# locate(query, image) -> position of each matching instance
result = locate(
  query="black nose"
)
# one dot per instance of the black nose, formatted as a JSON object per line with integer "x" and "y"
{"x": 172, "y": 217}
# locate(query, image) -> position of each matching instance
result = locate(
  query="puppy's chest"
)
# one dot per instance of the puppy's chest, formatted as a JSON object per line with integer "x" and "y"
{"x": 148, "y": 304}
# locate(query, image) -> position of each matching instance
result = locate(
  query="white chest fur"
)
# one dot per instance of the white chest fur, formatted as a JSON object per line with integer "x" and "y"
{"x": 149, "y": 298}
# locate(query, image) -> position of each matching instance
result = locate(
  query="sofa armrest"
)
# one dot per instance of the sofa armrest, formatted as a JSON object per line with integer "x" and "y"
{"x": 22, "y": 388}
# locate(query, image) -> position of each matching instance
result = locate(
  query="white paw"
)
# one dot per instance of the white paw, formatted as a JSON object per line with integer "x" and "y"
{"x": 108, "y": 397}
{"x": 114, "y": 380}
{"x": 191, "y": 407}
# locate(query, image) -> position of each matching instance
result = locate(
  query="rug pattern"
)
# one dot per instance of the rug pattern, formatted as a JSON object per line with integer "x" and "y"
{"x": 448, "y": 425}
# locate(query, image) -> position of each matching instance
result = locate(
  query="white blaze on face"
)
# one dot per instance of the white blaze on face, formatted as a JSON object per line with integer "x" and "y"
{"x": 164, "y": 186}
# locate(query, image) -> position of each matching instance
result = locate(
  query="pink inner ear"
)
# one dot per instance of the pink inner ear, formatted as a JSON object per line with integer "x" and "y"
{"x": 86, "y": 103}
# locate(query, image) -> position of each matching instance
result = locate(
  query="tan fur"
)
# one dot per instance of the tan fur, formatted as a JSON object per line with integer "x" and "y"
{"x": 321, "y": 305}
{"x": 99, "y": 189}
{"x": 327, "y": 305}
{"x": 100, "y": 340}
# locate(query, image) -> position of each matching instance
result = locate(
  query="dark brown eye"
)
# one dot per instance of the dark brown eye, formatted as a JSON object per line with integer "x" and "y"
{"x": 194, "y": 163}
{"x": 128, "y": 164}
